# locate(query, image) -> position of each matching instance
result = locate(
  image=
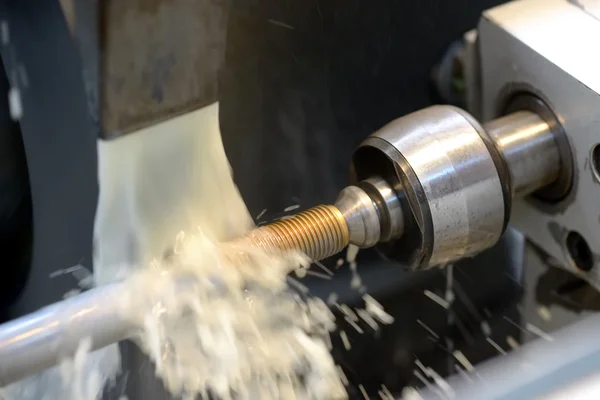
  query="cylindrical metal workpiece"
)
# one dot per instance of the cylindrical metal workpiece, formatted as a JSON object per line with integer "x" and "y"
{"x": 360, "y": 214}
{"x": 449, "y": 175}
{"x": 529, "y": 149}
{"x": 41, "y": 339}
{"x": 387, "y": 205}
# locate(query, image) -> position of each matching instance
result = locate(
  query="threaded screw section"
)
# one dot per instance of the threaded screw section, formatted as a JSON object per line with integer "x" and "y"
{"x": 319, "y": 232}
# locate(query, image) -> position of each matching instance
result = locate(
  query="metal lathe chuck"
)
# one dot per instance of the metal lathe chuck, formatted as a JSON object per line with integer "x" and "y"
{"x": 433, "y": 187}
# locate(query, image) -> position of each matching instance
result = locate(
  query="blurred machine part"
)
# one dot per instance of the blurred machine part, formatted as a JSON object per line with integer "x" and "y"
{"x": 143, "y": 62}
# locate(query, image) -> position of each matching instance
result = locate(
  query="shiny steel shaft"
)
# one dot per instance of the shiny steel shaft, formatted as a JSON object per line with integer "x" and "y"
{"x": 41, "y": 339}
{"x": 529, "y": 149}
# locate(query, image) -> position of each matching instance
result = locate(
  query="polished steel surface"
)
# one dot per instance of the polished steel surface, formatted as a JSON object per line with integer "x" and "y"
{"x": 562, "y": 186}
{"x": 361, "y": 217}
{"x": 43, "y": 338}
{"x": 529, "y": 149}
{"x": 459, "y": 183}
{"x": 389, "y": 209}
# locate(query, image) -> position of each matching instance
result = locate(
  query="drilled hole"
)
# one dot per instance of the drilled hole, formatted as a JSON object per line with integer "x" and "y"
{"x": 579, "y": 251}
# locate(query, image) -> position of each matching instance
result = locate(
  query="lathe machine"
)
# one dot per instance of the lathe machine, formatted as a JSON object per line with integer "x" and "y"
{"x": 513, "y": 155}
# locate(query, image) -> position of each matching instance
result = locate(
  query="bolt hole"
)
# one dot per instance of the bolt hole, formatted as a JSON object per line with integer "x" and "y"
{"x": 595, "y": 161}
{"x": 579, "y": 251}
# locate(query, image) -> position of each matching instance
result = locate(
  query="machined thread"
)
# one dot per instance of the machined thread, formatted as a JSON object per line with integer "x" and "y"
{"x": 319, "y": 232}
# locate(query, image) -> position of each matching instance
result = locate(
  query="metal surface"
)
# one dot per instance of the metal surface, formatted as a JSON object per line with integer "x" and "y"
{"x": 361, "y": 217}
{"x": 522, "y": 51}
{"x": 533, "y": 370}
{"x": 449, "y": 177}
{"x": 43, "y": 338}
{"x": 458, "y": 177}
{"x": 318, "y": 233}
{"x": 525, "y": 100}
{"x": 388, "y": 205}
{"x": 148, "y": 61}
{"x": 529, "y": 149}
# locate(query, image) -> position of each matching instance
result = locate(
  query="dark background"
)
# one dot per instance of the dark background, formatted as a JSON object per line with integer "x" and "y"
{"x": 306, "y": 80}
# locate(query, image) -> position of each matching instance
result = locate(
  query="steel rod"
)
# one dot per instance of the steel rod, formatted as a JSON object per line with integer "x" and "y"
{"x": 529, "y": 149}
{"x": 40, "y": 340}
